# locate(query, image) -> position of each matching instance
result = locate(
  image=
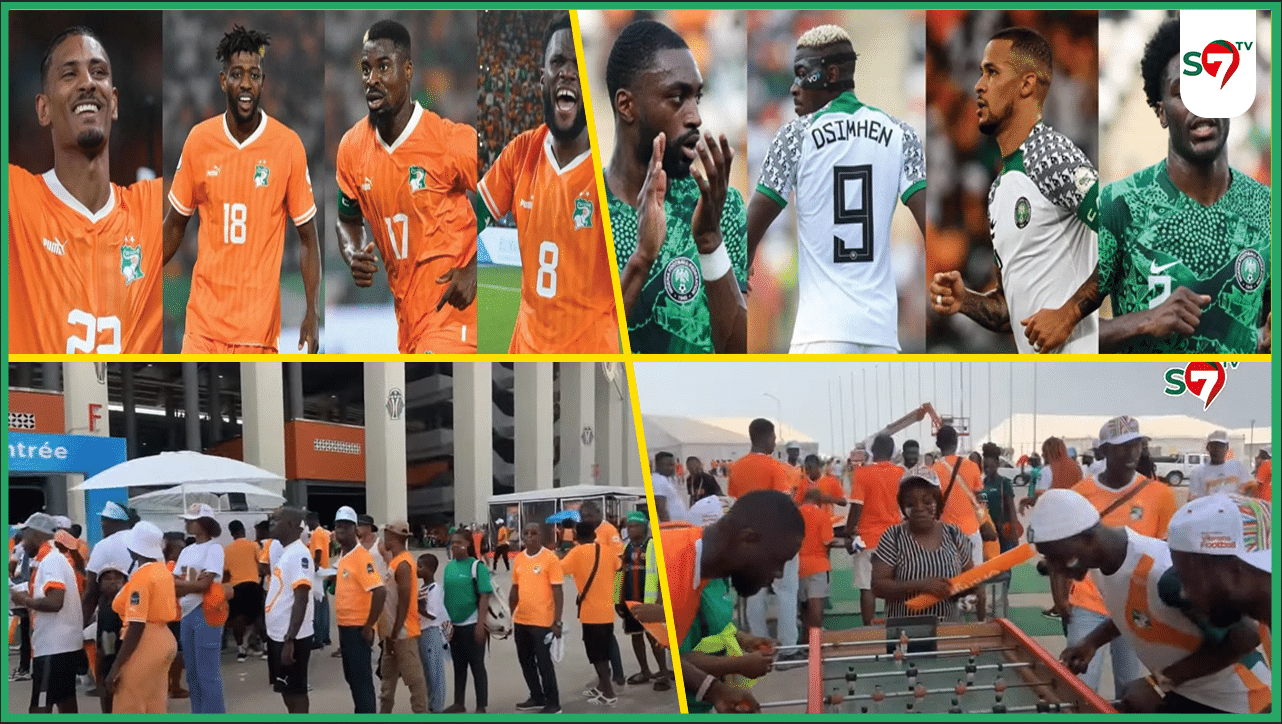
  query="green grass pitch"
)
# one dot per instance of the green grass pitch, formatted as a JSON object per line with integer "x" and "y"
{"x": 498, "y": 297}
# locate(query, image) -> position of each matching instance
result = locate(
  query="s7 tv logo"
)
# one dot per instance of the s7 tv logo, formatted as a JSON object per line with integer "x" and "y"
{"x": 1217, "y": 50}
{"x": 1204, "y": 380}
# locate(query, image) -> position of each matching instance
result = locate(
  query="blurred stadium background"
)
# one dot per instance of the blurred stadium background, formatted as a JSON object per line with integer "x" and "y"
{"x": 290, "y": 95}
{"x": 509, "y": 101}
{"x": 444, "y": 47}
{"x": 890, "y": 75}
{"x": 961, "y": 162}
{"x": 717, "y": 38}
{"x": 1129, "y": 130}
{"x": 133, "y": 43}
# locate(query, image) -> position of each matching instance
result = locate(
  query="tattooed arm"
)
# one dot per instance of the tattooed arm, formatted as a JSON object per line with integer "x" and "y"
{"x": 1048, "y": 329}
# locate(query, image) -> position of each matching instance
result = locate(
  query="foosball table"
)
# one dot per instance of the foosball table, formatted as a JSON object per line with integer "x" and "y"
{"x": 916, "y": 666}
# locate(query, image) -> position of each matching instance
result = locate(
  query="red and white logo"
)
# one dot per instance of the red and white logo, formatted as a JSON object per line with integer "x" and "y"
{"x": 1204, "y": 380}
{"x": 1217, "y": 53}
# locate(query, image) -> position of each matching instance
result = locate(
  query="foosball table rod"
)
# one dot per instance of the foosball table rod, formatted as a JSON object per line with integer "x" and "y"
{"x": 971, "y": 669}
{"x": 900, "y": 657}
{"x": 832, "y": 700}
{"x": 921, "y": 692}
{"x": 901, "y": 640}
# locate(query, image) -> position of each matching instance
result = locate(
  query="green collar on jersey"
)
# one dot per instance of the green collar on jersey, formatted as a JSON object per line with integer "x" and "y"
{"x": 844, "y": 103}
{"x": 1014, "y": 162}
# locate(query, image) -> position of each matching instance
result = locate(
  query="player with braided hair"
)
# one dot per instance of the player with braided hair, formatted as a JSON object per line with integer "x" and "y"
{"x": 847, "y": 163}
{"x": 246, "y": 174}
{"x": 1185, "y": 244}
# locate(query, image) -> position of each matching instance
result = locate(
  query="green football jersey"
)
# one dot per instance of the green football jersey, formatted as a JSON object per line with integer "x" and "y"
{"x": 1154, "y": 239}
{"x": 675, "y": 318}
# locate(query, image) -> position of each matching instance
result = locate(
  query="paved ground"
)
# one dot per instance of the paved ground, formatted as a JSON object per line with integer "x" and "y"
{"x": 246, "y": 689}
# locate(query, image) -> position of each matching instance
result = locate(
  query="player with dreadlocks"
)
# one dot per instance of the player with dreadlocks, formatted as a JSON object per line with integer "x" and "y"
{"x": 678, "y": 235}
{"x": 1184, "y": 244}
{"x": 246, "y": 174}
{"x": 85, "y": 272}
{"x": 847, "y": 299}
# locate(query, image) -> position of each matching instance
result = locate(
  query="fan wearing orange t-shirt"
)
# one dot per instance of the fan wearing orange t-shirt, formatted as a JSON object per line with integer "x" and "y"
{"x": 814, "y": 565}
{"x": 874, "y": 507}
{"x": 536, "y": 602}
{"x": 407, "y": 172}
{"x": 759, "y": 470}
{"x": 830, "y": 492}
{"x": 84, "y": 253}
{"x": 592, "y": 565}
{"x": 545, "y": 179}
{"x": 245, "y": 173}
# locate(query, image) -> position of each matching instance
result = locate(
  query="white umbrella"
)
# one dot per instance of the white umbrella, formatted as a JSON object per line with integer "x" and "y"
{"x": 182, "y": 468}
{"x": 213, "y": 494}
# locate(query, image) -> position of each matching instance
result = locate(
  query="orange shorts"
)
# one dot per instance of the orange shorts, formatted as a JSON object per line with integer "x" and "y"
{"x": 193, "y": 344}
{"x": 457, "y": 339}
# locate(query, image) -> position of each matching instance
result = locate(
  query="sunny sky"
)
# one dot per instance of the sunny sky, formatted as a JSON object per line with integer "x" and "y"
{"x": 809, "y": 397}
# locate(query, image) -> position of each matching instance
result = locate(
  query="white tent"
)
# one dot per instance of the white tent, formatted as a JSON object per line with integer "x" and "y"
{"x": 180, "y": 468}
{"x": 214, "y": 494}
{"x": 714, "y": 438}
{"x": 1168, "y": 434}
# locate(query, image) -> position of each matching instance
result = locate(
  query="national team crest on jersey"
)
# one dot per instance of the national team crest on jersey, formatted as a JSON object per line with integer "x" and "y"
{"x": 1136, "y": 512}
{"x": 1140, "y": 619}
{"x": 131, "y": 262}
{"x": 582, "y": 214}
{"x": 1023, "y": 212}
{"x": 261, "y": 174}
{"x": 681, "y": 279}
{"x": 1248, "y": 270}
{"x": 418, "y": 178}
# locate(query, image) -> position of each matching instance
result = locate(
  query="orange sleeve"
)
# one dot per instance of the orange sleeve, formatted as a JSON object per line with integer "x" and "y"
{"x": 463, "y": 151}
{"x": 51, "y": 585}
{"x": 857, "y": 492}
{"x": 342, "y": 172}
{"x": 182, "y": 192}
{"x": 785, "y": 479}
{"x": 138, "y": 605}
{"x": 1166, "y": 511}
{"x": 834, "y": 488}
{"x": 555, "y": 575}
{"x": 499, "y": 184}
{"x": 732, "y": 484}
{"x": 368, "y": 577}
{"x": 298, "y": 196}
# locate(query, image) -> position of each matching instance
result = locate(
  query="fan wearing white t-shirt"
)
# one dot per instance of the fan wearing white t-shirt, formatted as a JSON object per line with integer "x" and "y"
{"x": 57, "y": 622}
{"x": 198, "y": 569}
{"x": 1221, "y": 475}
{"x": 672, "y": 507}
{"x": 288, "y": 612}
{"x": 431, "y": 642}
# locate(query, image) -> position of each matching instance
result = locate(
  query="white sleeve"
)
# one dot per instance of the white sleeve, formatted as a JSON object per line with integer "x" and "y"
{"x": 912, "y": 177}
{"x": 1197, "y": 482}
{"x": 96, "y": 557}
{"x": 214, "y": 561}
{"x": 1044, "y": 479}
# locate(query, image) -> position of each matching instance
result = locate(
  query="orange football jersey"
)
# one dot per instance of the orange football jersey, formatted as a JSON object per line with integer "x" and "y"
{"x": 567, "y": 296}
{"x": 244, "y": 193}
{"x": 80, "y": 281}
{"x": 413, "y": 194}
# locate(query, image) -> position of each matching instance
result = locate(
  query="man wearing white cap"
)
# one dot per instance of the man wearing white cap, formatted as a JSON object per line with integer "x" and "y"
{"x": 1193, "y": 673}
{"x": 113, "y": 547}
{"x": 1222, "y": 551}
{"x": 359, "y": 597}
{"x": 1126, "y": 499}
{"x": 57, "y": 622}
{"x": 1221, "y": 475}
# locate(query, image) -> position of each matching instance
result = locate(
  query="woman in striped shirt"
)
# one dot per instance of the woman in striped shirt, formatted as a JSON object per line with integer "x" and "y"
{"x": 920, "y": 554}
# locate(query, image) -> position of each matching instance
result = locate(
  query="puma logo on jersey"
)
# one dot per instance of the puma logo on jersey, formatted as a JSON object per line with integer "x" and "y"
{"x": 55, "y": 246}
{"x": 1154, "y": 269}
{"x": 213, "y": 171}
{"x": 527, "y": 204}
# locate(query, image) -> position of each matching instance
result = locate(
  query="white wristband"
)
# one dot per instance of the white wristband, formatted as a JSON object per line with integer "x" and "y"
{"x": 716, "y": 264}
{"x": 703, "y": 688}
